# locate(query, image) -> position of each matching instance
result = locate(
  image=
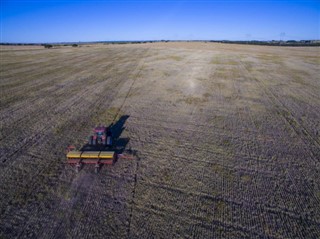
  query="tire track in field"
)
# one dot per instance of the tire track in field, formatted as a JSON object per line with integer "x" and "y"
{"x": 250, "y": 145}
{"x": 136, "y": 76}
{"x": 74, "y": 105}
{"x": 115, "y": 117}
{"x": 307, "y": 140}
{"x": 32, "y": 184}
{"x": 265, "y": 207}
{"x": 200, "y": 146}
{"x": 289, "y": 119}
{"x": 137, "y": 165}
{"x": 242, "y": 208}
{"x": 32, "y": 140}
{"x": 21, "y": 105}
{"x": 68, "y": 104}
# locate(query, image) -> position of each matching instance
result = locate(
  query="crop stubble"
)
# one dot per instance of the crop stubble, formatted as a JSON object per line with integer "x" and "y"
{"x": 227, "y": 139}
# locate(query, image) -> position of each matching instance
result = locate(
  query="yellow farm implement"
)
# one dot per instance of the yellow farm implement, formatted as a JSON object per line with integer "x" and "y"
{"x": 98, "y": 158}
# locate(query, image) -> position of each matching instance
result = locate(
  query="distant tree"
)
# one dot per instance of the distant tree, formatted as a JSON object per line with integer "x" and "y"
{"x": 48, "y": 46}
{"x": 74, "y": 45}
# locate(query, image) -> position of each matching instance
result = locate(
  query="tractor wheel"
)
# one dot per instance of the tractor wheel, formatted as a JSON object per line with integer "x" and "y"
{"x": 109, "y": 141}
{"x": 90, "y": 140}
{"x": 78, "y": 167}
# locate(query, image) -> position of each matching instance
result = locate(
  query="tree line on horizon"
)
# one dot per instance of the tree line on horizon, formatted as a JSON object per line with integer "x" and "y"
{"x": 252, "y": 42}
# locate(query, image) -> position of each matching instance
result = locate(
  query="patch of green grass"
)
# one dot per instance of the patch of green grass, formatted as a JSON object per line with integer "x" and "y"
{"x": 173, "y": 91}
{"x": 245, "y": 178}
{"x": 312, "y": 60}
{"x": 271, "y": 58}
{"x": 193, "y": 100}
{"x": 165, "y": 73}
{"x": 226, "y": 142}
{"x": 207, "y": 94}
{"x": 201, "y": 79}
{"x": 220, "y": 208}
{"x": 58, "y": 130}
{"x": 221, "y": 73}
{"x": 64, "y": 192}
{"x": 299, "y": 76}
{"x": 166, "y": 177}
{"x": 317, "y": 194}
{"x": 223, "y": 172}
{"x": 299, "y": 80}
{"x": 134, "y": 93}
{"x": 175, "y": 58}
{"x": 170, "y": 57}
{"x": 218, "y": 60}
{"x": 227, "y": 73}
{"x": 249, "y": 65}
{"x": 106, "y": 117}
{"x": 297, "y": 99}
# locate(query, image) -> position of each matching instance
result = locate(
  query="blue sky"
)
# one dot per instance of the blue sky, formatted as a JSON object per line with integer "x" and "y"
{"x": 102, "y": 20}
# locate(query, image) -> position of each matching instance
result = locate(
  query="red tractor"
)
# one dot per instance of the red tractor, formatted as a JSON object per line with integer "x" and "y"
{"x": 103, "y": 151}
{"x": 102, "y": 136}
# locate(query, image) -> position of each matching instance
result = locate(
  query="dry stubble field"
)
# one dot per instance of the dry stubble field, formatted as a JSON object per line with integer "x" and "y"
{"x": 227, "y": 140}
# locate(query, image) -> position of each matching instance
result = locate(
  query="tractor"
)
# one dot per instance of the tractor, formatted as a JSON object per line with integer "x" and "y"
{"x": 101, "y": 152}
{"x": 101, "y": 136}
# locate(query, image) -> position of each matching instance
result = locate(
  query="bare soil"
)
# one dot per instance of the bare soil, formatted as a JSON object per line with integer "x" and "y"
{"x": 227, "y": 141}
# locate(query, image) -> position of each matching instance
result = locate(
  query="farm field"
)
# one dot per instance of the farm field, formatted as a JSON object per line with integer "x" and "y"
{"x": 226, "y": 140}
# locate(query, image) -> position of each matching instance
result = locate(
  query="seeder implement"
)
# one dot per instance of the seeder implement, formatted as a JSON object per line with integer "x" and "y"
{"x": 101, "y": 151}
{"x": 98, "y": 158}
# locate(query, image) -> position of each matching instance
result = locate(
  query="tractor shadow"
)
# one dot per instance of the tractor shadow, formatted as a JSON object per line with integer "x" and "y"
{"x": 117, "y": 129}
{"x": 119, "y": 143}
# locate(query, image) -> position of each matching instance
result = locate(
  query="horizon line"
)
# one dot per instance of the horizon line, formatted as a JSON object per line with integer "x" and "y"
{"x": 162, "y": 40}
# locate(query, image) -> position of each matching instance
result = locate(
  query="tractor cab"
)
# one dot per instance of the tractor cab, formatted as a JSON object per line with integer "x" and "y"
{"x": 100, "y": 131}
{"x": 102, "y": 136}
